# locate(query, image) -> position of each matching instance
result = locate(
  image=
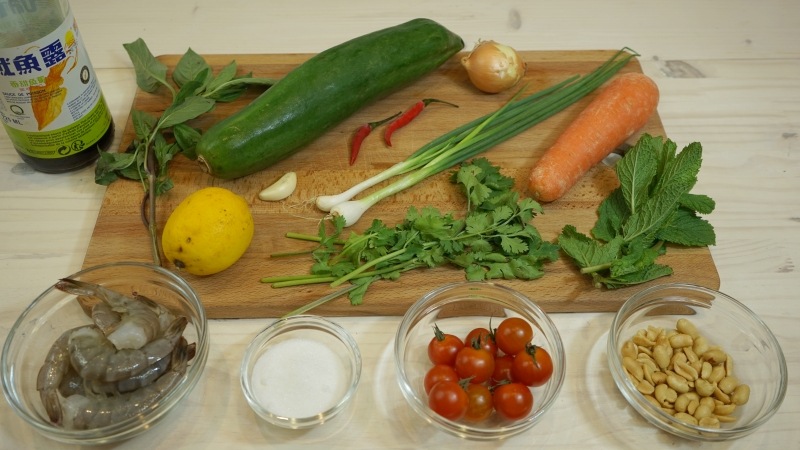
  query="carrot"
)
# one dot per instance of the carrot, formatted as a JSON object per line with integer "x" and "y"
{"x": 618, "y": 111}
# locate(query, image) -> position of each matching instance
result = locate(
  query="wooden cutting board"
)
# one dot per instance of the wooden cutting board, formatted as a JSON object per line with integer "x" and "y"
{"x": 322, "y": 168}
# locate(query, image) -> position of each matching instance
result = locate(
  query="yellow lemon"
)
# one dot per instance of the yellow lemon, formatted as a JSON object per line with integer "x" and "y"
{"x": 208, "y": 231}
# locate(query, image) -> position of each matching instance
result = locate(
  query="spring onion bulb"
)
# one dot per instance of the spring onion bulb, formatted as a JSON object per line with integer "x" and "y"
{"x": 473, "y": 138}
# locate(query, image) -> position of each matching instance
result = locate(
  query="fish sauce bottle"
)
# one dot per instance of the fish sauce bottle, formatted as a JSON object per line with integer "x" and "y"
{"x": 51, "y": 104}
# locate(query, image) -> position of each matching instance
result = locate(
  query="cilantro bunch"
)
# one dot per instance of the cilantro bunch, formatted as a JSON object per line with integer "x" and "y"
{"x": 493, "y": 240}
{"x": 652, "y": 206}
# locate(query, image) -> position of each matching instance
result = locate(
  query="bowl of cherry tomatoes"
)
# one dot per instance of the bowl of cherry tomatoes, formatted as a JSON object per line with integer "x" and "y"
{"x": 479, "y": 360}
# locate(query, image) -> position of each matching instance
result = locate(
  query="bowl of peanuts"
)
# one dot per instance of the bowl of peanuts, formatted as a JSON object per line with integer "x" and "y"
{"x": 106, "y": 353}
{"x": 696, "y": 363}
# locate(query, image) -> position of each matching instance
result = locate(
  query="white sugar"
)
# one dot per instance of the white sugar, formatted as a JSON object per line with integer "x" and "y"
{"x": 299, "y": 377}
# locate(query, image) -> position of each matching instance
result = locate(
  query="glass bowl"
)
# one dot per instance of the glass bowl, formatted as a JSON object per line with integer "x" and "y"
{"x": 456, "y": 309}
{"x": 301, "y": 371}
{"x": 755, "y": 358}
{"x": 54, "y": 312}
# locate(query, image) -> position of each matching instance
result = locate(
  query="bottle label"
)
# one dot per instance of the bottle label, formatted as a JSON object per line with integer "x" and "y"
{"x": 51, "y": 104}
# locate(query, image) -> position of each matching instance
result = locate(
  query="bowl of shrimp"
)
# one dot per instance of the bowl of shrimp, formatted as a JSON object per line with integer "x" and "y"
{"x": 104, "y": 354}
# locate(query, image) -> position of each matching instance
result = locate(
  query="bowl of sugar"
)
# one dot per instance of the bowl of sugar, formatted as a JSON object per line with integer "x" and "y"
{"x": 301, "y": 371}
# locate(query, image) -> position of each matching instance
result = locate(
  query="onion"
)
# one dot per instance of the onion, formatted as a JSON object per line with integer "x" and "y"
{"x": 493, "y": 67}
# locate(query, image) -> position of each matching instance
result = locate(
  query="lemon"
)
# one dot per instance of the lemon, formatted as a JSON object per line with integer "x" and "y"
{"x": 208, "y": 231}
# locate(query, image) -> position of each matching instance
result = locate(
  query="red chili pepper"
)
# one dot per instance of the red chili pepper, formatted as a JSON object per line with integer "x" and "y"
{"x": 361, "y": 133}
{"x": 408, "y": 116}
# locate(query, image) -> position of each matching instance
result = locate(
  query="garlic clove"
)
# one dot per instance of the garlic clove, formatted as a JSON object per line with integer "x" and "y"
{"x": 281, "y": 189}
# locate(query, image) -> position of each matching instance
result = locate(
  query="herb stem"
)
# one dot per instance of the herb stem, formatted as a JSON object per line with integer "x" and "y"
{"x": 307, "y": 307}
{"x": 367, "y": 265}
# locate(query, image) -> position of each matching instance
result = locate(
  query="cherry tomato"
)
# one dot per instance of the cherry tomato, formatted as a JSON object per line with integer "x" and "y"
{"x": 474, "y": 363}
{"x": 502, "y": 369}
{"x": 437, "y": 373}
{"x": 512, "y": 401}
{"x": 512, "y": 335}
{"x": 442, "y": 348}
{"x": 480, "y": 403}
{"x": 484, "y": 337}
{"x": 449, "y": 400}
{"x": 532, "y": 366}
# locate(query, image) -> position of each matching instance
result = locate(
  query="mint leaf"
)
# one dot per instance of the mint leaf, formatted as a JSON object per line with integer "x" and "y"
{"x": 587, "y": 252}
{"x": 612, "y": 213}
{"x": 637, "y": 170}
{"x": 686, "y": 228}
{"x": 702, "y": 204}
{"x": 648, "y": 274}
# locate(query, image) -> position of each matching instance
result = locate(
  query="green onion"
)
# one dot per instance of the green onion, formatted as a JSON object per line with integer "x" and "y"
{"x": 473, "y": 138}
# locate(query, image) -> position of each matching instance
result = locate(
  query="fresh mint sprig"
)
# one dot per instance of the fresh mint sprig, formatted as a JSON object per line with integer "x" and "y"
{"x": 651, "y": 207}
{"x": 159, "y": 138}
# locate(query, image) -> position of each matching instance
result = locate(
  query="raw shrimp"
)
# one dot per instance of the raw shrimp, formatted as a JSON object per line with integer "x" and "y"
{"x": 85, "y": 412}
{"x": 140, "y": 319}
{"x": 96, "y": 358}
{"x": 52, "y": 372}
{"x": 71, "y": 384}
{"x": 147, "y": 377}
{"x": 105, "y": 317}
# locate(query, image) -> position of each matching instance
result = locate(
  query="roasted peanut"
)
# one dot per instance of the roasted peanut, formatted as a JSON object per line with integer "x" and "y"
{"x": 700, "y": 345}
{"x": 717, "y": 373}
{"x": 677, "y": 383}
{"x": 727, "y": 384}
{"x": 691, "y": 356}
{"x": 683, "y": 417}
{"x": 642, "y": 341}
{"x": 705, "y": 370}
{"x": 680, "y": 340}
{"x": 633, "y": 368}
{"x": 729, "y": 365}
{"x": 685, "y": 326}
{"x": 721, "y": 396}
{"x": 727, "y": 419}
{"x": 703, "y": 411}
{"x": 629, "y": 349}
{"x": 662, "y": 354}
{"x": 692, "y": 406}
{"x": 724, "y": 410}
{"x": 704, "y": 388}
{"x": 645, "y": 387}
{"x": 740, "y": 395}
{"x": 686, "y": 371}
{"x": 709, "y": 422}
{"x": 714, "y": 356}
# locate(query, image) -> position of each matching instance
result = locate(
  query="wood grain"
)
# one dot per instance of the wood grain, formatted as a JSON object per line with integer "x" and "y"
{"x": 322, "y": 168}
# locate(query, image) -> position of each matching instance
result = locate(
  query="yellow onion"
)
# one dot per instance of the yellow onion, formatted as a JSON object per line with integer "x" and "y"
{"x": 493, "y": 67}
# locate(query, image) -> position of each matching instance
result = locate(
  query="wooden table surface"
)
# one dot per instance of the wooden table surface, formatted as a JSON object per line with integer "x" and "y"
{"x": 729, "y": 75}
